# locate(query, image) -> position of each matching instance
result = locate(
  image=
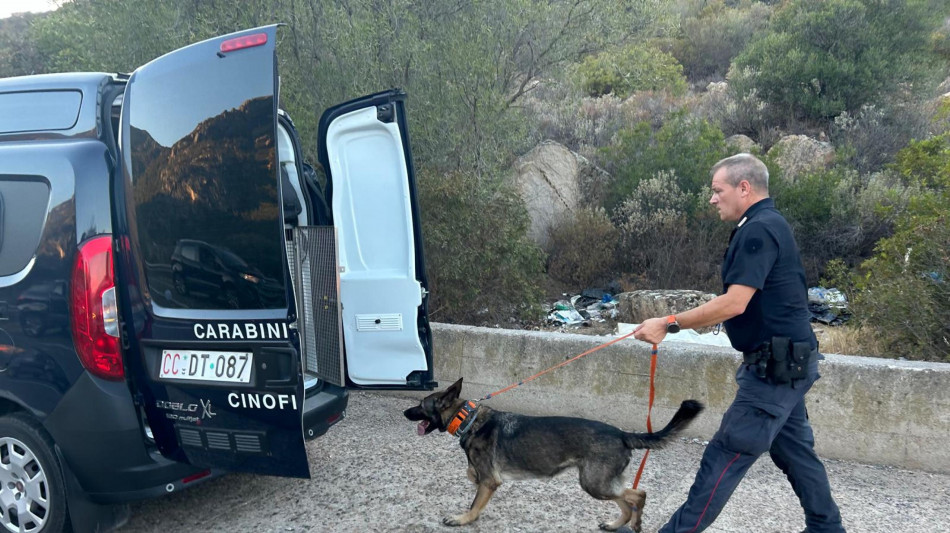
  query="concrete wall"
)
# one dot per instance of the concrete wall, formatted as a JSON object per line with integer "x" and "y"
{"x": 863, "y": 409}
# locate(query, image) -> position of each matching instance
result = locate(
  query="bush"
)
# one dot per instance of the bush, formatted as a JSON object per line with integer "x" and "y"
{"x": 840, "y": 214}
{"x": 869, "y": 138}
{"x": 904, "y": 293}
{"x": 627, "y": 70}
{"x": 671, "y": 238}
{"x": 582, "y": 123}
{"x": 708, "y": 43}
{"x": 583, "y": 249}
{"x": 926, "y": 163}
{"x": 481, "y": 265}
{"x": 686, "y": 146}
{"x": 822, "y": 57}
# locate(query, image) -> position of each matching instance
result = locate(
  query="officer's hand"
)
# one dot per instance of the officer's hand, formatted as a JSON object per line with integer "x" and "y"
{"x": 652, "y": 330}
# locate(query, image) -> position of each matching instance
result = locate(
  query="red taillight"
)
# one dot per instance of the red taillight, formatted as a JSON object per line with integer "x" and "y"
{"x": 248, "y": 41}
{"x": 93, "y": 316}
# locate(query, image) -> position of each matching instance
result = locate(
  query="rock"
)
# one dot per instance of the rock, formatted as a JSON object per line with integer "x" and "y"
{"x": 799, "y": 154}
{"x": 717, "y": 87}
{"x": 741, "y": 143}
{"x": 637, "y": 306}
{"x": 550, "y": 179}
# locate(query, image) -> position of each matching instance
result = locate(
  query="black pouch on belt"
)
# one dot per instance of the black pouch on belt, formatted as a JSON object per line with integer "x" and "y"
{"x": 778, "y": 367}
{"x": 798, "y": 363}
{"x": 789, "y": 360}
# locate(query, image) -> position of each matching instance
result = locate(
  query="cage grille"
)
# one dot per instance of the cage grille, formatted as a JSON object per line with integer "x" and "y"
{"x": 317, "y": 289}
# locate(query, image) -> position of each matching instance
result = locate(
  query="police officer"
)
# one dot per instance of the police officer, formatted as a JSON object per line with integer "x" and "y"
{"x": 765, "y": 310}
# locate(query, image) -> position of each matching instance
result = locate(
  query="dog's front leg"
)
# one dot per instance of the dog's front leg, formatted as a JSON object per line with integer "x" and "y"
{"x": 485, "y": 491}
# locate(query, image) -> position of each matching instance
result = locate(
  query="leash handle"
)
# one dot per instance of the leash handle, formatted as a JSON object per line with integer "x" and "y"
{"x": 559, "y": 365}
{"x": 643, "y": 462}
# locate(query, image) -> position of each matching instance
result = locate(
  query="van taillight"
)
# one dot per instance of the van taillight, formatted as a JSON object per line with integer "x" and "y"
{"x": 94, "y": 317}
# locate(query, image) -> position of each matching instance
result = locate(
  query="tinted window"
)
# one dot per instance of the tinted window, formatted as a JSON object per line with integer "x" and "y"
{"x": 25, "y": 204}
{"x": 200, "y": 148}
{"x": 39, "y": 110}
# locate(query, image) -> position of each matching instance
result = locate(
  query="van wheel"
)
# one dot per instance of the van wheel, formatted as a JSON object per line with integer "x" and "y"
{"x": 32, "y": 491}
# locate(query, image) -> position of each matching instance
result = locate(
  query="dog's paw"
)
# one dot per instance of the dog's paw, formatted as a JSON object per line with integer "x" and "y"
{"x": 604, "y": 526}
{"x": 453, "y": 521}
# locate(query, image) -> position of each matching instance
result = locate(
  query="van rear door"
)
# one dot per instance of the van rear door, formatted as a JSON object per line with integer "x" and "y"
{"x": 202, "y": 278}
{"x": 369, "y": 185}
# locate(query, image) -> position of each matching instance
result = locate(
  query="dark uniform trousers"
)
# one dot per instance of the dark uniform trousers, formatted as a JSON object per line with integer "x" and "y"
{"x": 764, "y": 417}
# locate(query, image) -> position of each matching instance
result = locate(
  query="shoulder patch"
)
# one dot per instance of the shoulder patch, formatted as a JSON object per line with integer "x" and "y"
{"x": 753, "y": 245}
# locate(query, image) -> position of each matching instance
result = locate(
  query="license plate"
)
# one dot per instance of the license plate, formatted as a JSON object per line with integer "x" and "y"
{"x": 228, "y": 367}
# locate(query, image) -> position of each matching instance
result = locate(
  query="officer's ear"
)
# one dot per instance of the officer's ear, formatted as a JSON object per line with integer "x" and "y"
{"x": 745, "y": 188}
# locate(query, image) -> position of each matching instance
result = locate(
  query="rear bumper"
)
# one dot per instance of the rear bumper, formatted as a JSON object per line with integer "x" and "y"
{"x": 100, "y": 439}
{"x": 101, "y": 442}
{"x": 323, "y": 408}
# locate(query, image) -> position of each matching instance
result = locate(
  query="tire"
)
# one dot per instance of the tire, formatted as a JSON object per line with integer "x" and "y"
{"x": 32, "y": 489}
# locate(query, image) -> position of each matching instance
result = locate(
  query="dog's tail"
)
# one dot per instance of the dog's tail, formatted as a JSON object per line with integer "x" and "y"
{"x": 688, "y": 410}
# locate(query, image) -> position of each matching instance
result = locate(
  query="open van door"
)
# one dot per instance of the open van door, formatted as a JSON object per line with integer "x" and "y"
{"x": 204, "y": 297}
{"x": 369, "y": 185}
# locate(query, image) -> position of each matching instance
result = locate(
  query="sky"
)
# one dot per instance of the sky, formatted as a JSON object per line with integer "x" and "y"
{"x": 9, "y": 7}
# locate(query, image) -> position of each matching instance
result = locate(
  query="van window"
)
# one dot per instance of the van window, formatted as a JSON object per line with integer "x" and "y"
{"x": 25, "y": 205}
{"x": 39, "y": 110}
{"x": 204, "y": 181}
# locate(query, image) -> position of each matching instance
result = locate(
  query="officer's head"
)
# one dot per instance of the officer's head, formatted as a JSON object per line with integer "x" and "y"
{"x": 737, "y": 183}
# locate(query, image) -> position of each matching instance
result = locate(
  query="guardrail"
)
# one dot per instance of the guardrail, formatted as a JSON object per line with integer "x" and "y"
{"x": 877, "y": 411}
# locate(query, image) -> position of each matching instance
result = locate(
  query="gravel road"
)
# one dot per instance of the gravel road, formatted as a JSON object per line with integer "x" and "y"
{"x": 373, "y": 473}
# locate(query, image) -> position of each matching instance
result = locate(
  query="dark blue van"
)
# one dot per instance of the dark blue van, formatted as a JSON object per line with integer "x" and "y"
{"x": 181, "y": 295}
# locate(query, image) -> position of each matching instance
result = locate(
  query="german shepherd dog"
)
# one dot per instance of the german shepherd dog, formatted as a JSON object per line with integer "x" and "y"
{"x": 502, "y": 445}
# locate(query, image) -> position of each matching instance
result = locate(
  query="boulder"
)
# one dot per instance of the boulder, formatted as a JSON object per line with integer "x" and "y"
{"x": 741, "y": 143}
{"x": 799, "y": 154}
{"x": 550, "y": 180}
{"x": 637, "y": 306}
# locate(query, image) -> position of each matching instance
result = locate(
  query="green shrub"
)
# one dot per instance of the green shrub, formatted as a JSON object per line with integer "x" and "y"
{"x": 671, "y": 239}
{"x": 869, "y": 138}
{"x": 708, "y": 43}
{"x": 904, "y": 293}
{"x": 822, "y": 209}
{"x": 822, "y": 57}
{"x": 926, "y": 163}
{"x": 630, "y": 69}
{"x": 481, "y": 265}
{"x": 583, "y": 249}
{"x": 685, "y": 145}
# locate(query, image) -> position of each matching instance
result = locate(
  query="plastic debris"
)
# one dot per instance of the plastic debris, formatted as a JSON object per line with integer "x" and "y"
{"x": 584, "y": 309}
{"x": 828, "y": 306}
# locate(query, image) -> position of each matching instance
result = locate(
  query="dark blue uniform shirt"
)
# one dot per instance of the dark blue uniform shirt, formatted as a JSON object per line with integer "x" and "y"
{"x": 762, "y": 254}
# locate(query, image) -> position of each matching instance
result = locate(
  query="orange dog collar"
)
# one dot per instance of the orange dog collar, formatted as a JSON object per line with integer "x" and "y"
{"x": 463, "y": 419}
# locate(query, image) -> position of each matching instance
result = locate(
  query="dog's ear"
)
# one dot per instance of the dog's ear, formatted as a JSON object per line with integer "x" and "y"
{"x": 453, "y": 392}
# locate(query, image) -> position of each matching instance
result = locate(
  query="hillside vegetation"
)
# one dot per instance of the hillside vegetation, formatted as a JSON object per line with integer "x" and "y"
{"x": 651, "y": 91}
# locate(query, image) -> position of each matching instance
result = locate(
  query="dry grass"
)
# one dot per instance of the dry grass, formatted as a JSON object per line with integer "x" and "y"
{"x": 849, "y": 340}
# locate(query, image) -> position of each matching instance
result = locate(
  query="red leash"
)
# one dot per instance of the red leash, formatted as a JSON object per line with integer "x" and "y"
{"x": 643, "y": 462}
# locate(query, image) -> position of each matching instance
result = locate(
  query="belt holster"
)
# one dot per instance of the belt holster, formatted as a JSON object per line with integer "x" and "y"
{"x": 781, "y": 360}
